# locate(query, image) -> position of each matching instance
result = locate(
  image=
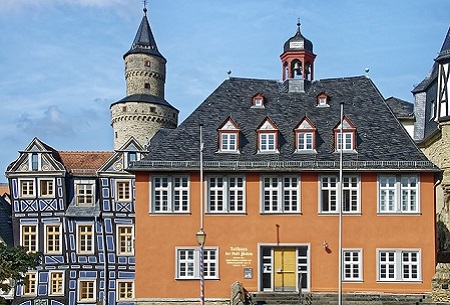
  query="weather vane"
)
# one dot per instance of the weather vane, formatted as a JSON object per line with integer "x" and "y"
{"x": 144, "y": 2}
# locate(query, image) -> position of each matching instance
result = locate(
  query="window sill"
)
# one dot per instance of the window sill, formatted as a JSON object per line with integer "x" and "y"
{"x": 400, "y": 282}
{"x": 399, "y": 214}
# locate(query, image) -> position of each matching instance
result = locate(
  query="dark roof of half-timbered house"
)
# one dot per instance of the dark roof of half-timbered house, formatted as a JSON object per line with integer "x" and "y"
{"x": 380, "y": 139}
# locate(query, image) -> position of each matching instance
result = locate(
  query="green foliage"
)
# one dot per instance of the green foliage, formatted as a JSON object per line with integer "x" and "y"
{"x": 14, "y": 263}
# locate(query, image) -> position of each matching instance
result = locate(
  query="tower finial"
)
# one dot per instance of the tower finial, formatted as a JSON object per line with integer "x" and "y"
{"x": 144, "y": 2}
{"x": 298, "y": 22}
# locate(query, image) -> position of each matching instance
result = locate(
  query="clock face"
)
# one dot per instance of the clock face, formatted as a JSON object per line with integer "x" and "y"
{"x": 296, "y": 44}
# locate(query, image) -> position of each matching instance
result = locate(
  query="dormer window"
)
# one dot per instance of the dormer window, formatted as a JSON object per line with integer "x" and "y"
{"x": 323, "y": 100}
{"x": 258, "y": 101}
{"x": 305, "y": 136}
{"x": 345, "y": 140}
{"x": 229, "y": 136}
{"x": 267, "y": 137}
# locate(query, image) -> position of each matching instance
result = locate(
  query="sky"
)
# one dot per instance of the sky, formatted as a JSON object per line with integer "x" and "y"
{"x": 61, "y": 61}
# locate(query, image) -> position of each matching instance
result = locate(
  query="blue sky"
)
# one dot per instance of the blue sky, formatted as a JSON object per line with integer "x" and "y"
{"x": 61, "y": 60}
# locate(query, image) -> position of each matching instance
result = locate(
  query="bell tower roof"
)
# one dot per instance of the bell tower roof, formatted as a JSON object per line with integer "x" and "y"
{"x": 144, "y": 42}
{"x": 298, "y": 42}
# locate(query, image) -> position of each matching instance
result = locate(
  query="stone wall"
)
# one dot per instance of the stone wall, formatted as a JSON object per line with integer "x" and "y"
{"x": 141, "y": 69}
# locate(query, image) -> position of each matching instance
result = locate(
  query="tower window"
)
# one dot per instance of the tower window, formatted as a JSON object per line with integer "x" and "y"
{"x": 147, "y": 63}
{"x": 124, "y": 109}
{"x": 153, "y": 109}
{"x": 147, "y": 85}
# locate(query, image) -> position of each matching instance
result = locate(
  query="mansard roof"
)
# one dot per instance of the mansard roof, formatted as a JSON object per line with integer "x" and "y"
{"x": 84, "y": 163}
{"x": 381, "y": 140}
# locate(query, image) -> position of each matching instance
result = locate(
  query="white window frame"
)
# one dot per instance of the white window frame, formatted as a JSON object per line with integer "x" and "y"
{"x": 94, "y": 290}
{"x": 267, "y": 141}
{"x": 348, "y": 140}
{"x": 50, "y": 279}
{"x": 397, "y": 198}
{"x": 118, "y": 292}
{"x": 308, "y": 140}
{"x": 28, "y": 247}
{"x": 84, "y": 192}
{"x": 164, "y": 196}
{"x": 128, "y": 238}
{"x": 274, "y": 193}
{"x": 47, "y": 239}
{"x": 92, "y": 237}
{"x": 228, "y": 141}
{"x": 224, "y": 197}
{"x": 49, "y": 191}
{"x": 191, "y": 263}
{"x": 122, "y": 198}
{"x": 352, "y": 262}
{"x": 33, "y": 291}
{"x": 29, "y": 185}
{"x": 351, "y": 194}
{"x": 395, "y": 269}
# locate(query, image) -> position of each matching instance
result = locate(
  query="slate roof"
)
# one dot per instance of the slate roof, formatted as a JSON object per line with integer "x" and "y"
{"x": 381, "y": 140}
{"x": 6, "y": 232}
{"x": 298, "y": 37}
{"x": 444, "y": 54}
{"x": 401, "y": 108}
{"x": 84, "y": 163}
{"x": 145, "y": 98}
{"x": 144, "y": 42}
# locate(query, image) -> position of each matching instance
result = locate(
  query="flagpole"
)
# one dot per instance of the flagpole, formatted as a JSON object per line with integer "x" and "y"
{"x": 341, "y": 176}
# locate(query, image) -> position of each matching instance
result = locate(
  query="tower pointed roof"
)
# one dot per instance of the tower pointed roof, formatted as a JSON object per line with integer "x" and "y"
{"x": 445, "y": 50}
{"x": 144, "y": 42}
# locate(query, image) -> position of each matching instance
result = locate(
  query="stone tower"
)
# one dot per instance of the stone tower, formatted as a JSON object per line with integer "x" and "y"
{"x": 144, "y": 110}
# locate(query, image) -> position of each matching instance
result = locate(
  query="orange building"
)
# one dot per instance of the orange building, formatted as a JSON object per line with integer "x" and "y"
{"x": 288, "y": 184}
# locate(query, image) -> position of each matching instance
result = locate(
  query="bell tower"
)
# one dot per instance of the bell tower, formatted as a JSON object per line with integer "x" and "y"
{"x": 144, "y": 110}
{"x": 298, "y": 57}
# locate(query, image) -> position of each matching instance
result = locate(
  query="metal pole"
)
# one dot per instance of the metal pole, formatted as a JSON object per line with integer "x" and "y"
{"x": 340, "y": 205}
{"x": 202, "y": 274}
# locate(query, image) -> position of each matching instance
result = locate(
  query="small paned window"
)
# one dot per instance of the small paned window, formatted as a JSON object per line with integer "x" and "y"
{"x": 56, "y": 283}
{"x": 399, "y": 265}
{"x": 85, "y": 236}
{"x": 53, "y": 239}
{"x": 226, "y": 194}
{"x": 352, "y": 265}
{"x": 29, "y": 238}
{"x": 329, "y": 194}
{"x": 123, "y": 190}
{"x": 229, "y": 137}
{"x": 280, "y": 194}
{"x": 258, "y": 101}
{"x": 86, "y": 291}
{"x": 398, "y": 194}
{"x": 170, "y": 194}
{"x": 345, "y": 137}
{"x": 188, "y": 260}
{"x": 125, "y": 240}
{"x": 125, "y": 290}
{"x": 26, "y": 188}
{"x": 47, "y": 187}
{"x": 30, "y": 287}
{"x": 322, "y": 100}
{"x": 84, "y": 195}
{"x": 267, "y": 137}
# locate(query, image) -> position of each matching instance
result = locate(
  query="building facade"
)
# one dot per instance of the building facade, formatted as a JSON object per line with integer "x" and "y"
{"x": 432, "y": 133}
{"x": 78, "y": 207}
{"x": 282, "y": 176}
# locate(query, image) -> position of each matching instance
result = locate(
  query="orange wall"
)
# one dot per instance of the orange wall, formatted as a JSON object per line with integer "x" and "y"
{"x": 158, "y": 235}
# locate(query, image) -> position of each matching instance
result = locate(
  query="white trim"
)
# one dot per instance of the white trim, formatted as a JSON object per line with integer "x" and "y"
{"x": 226, "y": 193}
{"x": 118, "y": 299}
{"x": 195, "y": 263}
{"x": 169, "y": 191}
{"x": 116, "y": 190}
{"x": 397, "y": 189}
{"x": 360, "y": 264}
{"x": 398, "y": 264}
{"x": 53, "y": 189}
{"x": 33, "y": 184}
{"x": 279, "y": 189}
{"x": 36, "y": 236}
